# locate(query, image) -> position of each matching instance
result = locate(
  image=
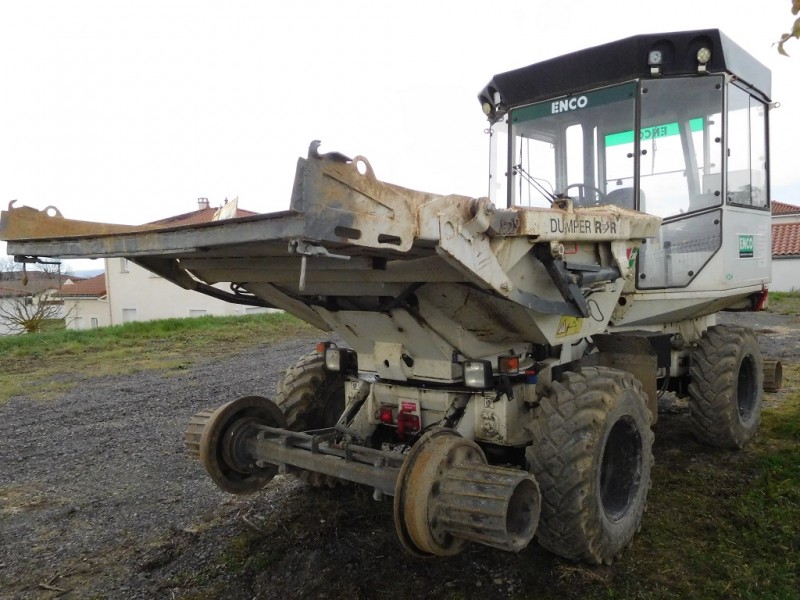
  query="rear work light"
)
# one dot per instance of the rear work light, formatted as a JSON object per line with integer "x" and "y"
{"x": 477, "y": 374}
{"x": 340, "y": 360}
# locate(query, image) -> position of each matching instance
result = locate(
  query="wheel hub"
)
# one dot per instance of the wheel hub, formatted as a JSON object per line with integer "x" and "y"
{"x": 220, "y": 439}
{"x": 621, "y": 470}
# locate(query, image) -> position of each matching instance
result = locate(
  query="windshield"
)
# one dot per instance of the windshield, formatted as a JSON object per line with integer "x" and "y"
{"x": 583, "y": 146}
{"x": 572, "y": 146}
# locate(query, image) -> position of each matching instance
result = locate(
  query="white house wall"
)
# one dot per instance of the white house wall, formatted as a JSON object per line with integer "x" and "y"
{"x": 785, "y": 274}
{"x": 87, "y": 313}
{"x": 136, "y": 294}
{"x": 5, "y": 329}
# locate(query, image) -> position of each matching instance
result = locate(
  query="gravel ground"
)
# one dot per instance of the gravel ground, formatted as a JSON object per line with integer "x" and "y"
{"x": 98, "y": 499}
{"x": 99, "y": 477}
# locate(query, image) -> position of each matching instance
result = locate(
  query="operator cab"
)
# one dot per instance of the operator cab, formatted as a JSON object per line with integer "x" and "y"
{"x": 673, "y": 124}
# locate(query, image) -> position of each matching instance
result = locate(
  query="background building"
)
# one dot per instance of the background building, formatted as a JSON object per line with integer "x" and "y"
{"x": 136, "y": 294}
{"x": 785, "y": 247}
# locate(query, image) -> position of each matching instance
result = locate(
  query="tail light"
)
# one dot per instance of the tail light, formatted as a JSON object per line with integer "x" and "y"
{"x": 406, "y": 417}
{"x": 386, "y": 414}
{"x": 407, "y": 424}
{"x": 508, "y": 365}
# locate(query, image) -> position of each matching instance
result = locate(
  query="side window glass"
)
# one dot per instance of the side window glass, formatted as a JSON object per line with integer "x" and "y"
{"x": 747, "y": 150}
{"x": 680, "y": 160}
{"x": 680, "y": 166}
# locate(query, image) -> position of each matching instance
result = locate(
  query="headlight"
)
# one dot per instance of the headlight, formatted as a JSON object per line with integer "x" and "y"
{"x": 340, "y": 360}
{"x": 477, "y": 374}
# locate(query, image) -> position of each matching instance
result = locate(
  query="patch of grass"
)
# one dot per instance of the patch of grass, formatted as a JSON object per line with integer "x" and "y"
{"x": 24, "y": 498}
{"x": 42, "y": 364}
{"x": 240, "y": 556}
{"x": 781, "y": 424}
{"x": 784, "y": 303}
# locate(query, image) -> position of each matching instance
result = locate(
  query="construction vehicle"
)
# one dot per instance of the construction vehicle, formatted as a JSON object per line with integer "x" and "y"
{"x": 502, "y": 356}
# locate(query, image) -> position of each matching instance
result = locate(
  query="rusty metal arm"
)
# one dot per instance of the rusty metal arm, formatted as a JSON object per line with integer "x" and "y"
{"x": 171, "y": 270}
{"x": 312, "y": 452}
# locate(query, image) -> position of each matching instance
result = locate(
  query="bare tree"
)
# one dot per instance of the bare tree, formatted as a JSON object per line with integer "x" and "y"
{"x": 27, "y": 301}
{"x": 30, "y": 313}
{"x": 8, "y": 265}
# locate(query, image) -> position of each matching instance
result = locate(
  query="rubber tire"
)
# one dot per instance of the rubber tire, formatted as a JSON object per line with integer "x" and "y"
{"x": 572, "y": 436}
{"x": 726, "y": 389}
{"x": 311, "y": 397}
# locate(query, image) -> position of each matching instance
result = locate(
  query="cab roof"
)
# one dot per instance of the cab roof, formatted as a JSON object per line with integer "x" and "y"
{"x": 623, "y": 60}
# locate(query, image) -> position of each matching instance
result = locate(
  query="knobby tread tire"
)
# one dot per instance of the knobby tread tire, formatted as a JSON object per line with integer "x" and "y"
{"x": 726, "y": 389}
{"x": 570, "y": 430}
{"x": 309, "y": 396}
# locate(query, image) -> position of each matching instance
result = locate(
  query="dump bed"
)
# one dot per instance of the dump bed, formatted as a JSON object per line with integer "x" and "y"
{"x": 382, "y": 264}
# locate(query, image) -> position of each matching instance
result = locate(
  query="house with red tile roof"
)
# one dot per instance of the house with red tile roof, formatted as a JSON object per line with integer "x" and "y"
{"x": 136, "y": 294}
{"x": 783, "y": 210}
{"x": 86, "y": 301}
{"x": 785, "y": 247}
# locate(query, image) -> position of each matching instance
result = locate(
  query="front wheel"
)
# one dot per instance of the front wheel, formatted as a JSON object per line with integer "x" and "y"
{"x": 592, "y": 456}
{"x": 727, "y": 378}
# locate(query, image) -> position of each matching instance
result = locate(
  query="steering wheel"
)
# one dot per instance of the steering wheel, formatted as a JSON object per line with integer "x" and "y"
{"x": 588, "y": 195}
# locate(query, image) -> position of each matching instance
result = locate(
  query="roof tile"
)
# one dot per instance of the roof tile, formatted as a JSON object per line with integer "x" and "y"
{"x": 786, "y": 239}
{"x": 93, "y": 287}
{"x": 196, "y": 217}
{"x": 782, "y": 208}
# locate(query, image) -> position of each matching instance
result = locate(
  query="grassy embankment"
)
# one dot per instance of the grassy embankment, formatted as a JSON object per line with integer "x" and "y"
{"x": 42, "y": 364}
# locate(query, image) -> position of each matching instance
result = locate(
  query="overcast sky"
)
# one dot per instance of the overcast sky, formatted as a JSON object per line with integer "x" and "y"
{"x": 128, "y": 112}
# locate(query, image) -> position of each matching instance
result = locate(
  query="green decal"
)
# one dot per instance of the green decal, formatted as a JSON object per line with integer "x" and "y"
{"x": 574, "y": 102}
{"x": 649, "y": 133}
{"x": 746, "y": 246}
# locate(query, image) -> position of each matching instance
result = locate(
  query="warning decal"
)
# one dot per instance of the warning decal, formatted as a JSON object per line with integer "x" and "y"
{"x": 569, "y": 326}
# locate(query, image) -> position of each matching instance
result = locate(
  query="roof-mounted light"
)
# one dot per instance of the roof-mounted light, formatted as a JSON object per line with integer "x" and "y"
{"x": 703, "y": 56}
{"x": 655, "y": 58}
{"x": 492, "y": 104}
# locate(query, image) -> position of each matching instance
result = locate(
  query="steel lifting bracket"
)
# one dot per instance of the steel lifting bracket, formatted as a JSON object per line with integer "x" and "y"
{"x": 34, "y": 260}
{"x": 306, "y": 249}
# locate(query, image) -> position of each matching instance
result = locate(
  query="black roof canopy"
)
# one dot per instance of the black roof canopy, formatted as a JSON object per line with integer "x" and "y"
{"x": 620, "y": 61}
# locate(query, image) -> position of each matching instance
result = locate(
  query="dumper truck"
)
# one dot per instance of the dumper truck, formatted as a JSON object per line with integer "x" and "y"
{"x": 498, "y": 359}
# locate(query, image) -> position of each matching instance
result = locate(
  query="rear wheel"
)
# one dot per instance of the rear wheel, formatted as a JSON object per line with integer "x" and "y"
{"x": 592, "y": 456}
{"x": 727, "y": 378}
{"x": 220, "y": 439}
{"x": 311, "y": 397}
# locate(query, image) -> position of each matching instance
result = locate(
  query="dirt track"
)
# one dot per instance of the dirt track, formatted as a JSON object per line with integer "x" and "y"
{"x": 98, "y": 499}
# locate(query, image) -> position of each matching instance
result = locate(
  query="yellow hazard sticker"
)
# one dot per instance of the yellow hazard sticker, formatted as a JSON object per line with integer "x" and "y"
{"x": 569, "y": 326}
